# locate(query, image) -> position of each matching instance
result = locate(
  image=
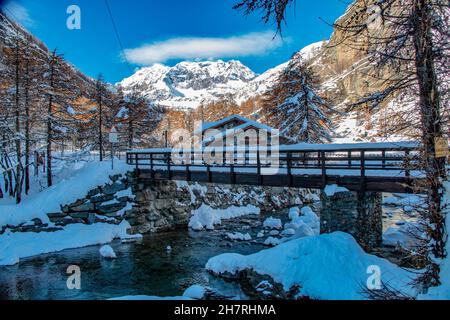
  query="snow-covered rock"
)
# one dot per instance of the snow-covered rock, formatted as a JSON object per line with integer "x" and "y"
{"x": 271, "y": 241}
{"x": 272, "y": 223}
{"x": 239, "y": 236}
{"x": 305, "y": 225}
{"x": 206, "y": 217}
{"x": 331, "y": 190}
{"x": 107, "y": 252}
{"x": 288, "y": 232}
{"x": 329, "y": 266}
{"x": 195, "y": 292}
{"x": 294, "y": 213}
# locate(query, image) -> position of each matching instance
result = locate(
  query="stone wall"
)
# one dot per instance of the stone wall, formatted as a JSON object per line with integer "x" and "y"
{"x": 104, "y": 204}
{"x": 164, "y": 205}
{"x": 357, "y": 213}
{"x": 154, "y": 206}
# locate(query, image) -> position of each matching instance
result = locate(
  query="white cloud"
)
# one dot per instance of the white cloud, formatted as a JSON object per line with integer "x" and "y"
{"x": 251, "y": 44}
{"x": 18, "y": 12}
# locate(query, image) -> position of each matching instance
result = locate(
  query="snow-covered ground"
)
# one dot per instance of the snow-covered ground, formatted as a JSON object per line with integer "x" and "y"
{"x": 71, "y": 183}
{"x": 15, "y": 246}
{"x": 329, "y": 266}
{"x": 442, "y": 292}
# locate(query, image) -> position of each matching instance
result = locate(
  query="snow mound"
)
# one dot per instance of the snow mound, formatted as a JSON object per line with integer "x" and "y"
{"x": 272, "y": 223}
{"x": 332, "y": 189}
{"x": 107, "y": 252}
{"x": 206, "y": 217}
{"x": 195, "y": 292}
{"x": 288, "y": 232}
{"x": 305, "y": 225}
{"x": 239, "y": 236}
{"x": 329, "y": 266}
{"x": 271, "y": 241}
{"x": 294, "y": 213}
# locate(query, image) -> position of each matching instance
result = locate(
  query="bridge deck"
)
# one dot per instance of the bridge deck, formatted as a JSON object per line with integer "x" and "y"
{"x": 381, "y": 169}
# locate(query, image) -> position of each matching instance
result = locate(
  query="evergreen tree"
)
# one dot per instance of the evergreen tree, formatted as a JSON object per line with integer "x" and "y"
{"x": 299, "y": 111}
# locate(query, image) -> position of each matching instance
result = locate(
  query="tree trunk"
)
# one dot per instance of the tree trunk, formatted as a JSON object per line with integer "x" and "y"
{"x": 27, "y": 129}
{"x": 19, "y": 168}
{"x": 49, "y": 123}
{"x": 432, "y": 128}
{"x": 100, "y": 120}
{"x": 130, "y": 132}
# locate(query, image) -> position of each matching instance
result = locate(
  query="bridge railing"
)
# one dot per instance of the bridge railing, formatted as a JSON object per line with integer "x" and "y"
{"x": 400, "y": 161}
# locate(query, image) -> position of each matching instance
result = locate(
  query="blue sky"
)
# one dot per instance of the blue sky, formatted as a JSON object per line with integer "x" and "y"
{"x": 167, "y": 32}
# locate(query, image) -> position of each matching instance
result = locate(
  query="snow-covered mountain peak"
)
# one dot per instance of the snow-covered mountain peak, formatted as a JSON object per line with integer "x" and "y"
{"x": 188, "y": 83}
{"x": 191, "y": 83}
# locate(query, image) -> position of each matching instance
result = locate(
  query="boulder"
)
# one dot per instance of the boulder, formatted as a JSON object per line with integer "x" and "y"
{"x": 86, "y": 207}
{"x": 79, "y": 215}
{"x": 113, "y": 188}
{"x": 56, "y": 215}
{"x": 102, "y": 198}
{"x": 110, "y": 208}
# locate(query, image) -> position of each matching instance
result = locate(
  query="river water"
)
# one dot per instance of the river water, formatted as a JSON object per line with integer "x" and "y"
{"x": 145, "y": 267}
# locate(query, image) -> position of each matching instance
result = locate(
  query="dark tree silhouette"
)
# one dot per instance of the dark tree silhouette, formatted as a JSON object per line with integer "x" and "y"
{"x": 272, "y": 10}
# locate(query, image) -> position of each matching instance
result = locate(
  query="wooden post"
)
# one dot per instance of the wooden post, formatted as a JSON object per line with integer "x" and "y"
{"x": 169, "y": 166}
{"x": 208, "y": 172}
{"x": 324, "y": 169}
{"x": 136, "y": 160}
{"x": 188, "y": 172}
{"x": 258, "y": 166}
{"x": 407, "y": 170}
{"x": 152, "y": 172}
{"x": 349, "y": 159}
{"x": 363, "y": 170}
{"x": 232, "y": 173}
{"x": 289, "y": 169}
{"x": 319, "y": 159}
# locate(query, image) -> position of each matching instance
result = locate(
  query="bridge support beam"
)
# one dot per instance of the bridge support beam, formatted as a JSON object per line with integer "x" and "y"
{"x": 357, "y": 213}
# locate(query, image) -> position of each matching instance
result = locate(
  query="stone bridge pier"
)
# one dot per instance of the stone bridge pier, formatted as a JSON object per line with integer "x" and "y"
{"x": 357, "y": 213}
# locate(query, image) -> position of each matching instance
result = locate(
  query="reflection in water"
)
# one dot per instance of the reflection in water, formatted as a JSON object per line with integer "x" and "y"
{"x": 142, "y": 268}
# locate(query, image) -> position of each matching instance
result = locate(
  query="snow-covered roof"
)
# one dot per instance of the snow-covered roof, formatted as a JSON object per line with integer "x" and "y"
{"x": 247, "y": 122}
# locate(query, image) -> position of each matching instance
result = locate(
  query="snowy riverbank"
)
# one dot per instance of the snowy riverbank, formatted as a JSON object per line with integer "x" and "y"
{"x": 72, "y": 184}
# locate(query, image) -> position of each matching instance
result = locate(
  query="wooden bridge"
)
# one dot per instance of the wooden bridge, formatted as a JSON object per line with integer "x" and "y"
{"x": 377, "y": 167}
